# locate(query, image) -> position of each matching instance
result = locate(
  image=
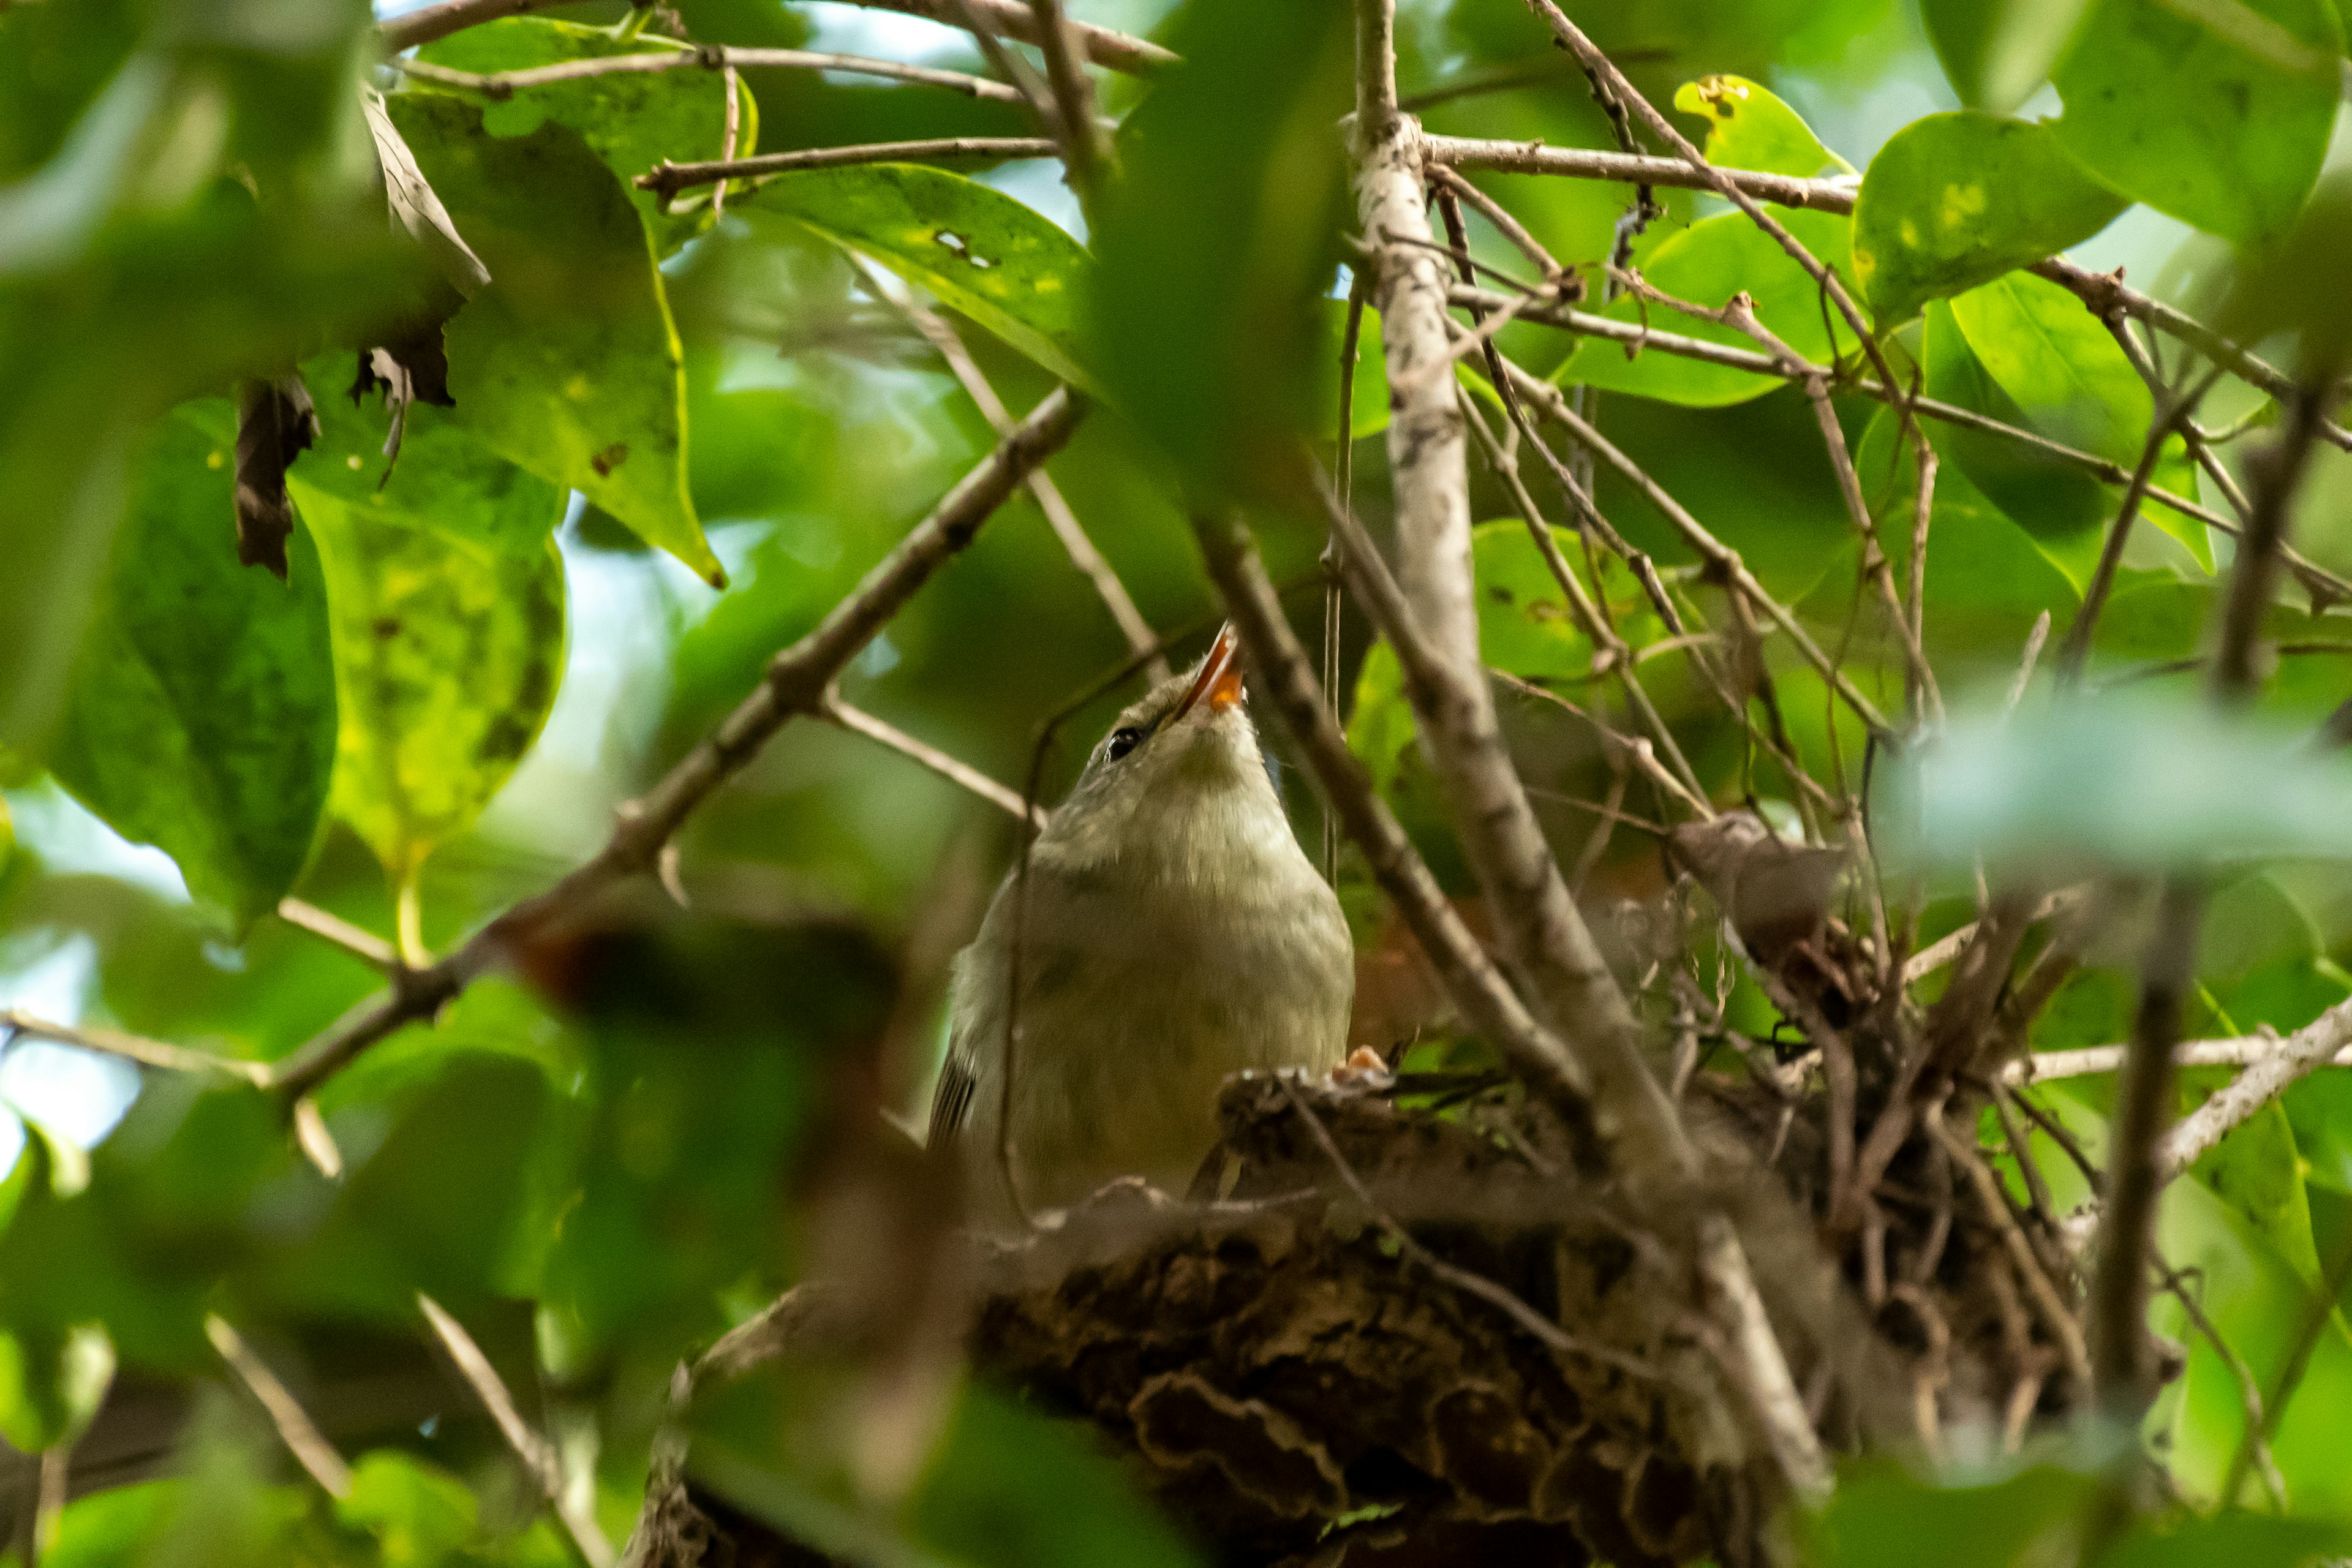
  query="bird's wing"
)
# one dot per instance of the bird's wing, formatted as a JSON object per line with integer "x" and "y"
{"x": 951, "y": 1101}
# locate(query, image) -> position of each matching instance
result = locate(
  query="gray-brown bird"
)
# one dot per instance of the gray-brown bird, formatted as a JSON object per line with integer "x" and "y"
{"x": 1174, "y": 933}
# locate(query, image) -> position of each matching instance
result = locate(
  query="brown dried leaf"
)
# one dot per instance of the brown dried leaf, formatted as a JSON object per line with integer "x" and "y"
{"x": 275, "y": 421}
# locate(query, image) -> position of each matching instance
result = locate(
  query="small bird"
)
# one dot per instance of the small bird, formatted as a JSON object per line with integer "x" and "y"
{"x": 1172, "y": 934}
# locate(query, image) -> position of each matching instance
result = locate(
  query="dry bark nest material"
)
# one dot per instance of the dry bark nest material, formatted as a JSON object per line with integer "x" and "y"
{"x": 1312, "y": 1364}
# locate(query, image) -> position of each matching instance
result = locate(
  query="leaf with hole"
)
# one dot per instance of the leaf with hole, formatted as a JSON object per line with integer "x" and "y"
{"x": 1953, "y": 200}
{"x": 200, "y": 713}
{"x": 978, "y": 251}
{"x": 1749, "y": 128}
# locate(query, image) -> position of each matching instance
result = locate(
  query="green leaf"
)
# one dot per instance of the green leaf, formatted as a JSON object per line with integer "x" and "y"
{"x": 417, "y": 1511}
{"x": 567, "y": 363}
{"x": 2220, "y": 122}
{"x": 1881, "y": 1514}
{"x": 1996, "y": 52}
{"x": 2240, "y": 1539}
{"x": 445, "y": 476}
{"x": 1749, "y": 128}
{"x": 448, "y": 653}
{"x": 977, "y": 249}
{"x": 1367, "y": 398}
{"x": 1220, "y": 236}
{"x": 1706, "y": 264}
{"x": 2257, "y": 1172}
{"x": 1525, "y": 623}
{"x": 633, "y": 119}
{"x": 201, "y": 712}
{"x": 2071, "y": 381}
{"x": 1955, "y": 199}
{"x": 1987, "y": 577}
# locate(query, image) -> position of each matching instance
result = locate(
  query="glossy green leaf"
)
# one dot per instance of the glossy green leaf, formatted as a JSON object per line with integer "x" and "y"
{"x": 1220, "y": 238}
{"x": 567, "y": 363}
{"x": 2071, "y": 381}
{"x": 448, "y": 653}
{"x": 1706, "y": 264}
{"x": 1996, "y": 52}
{"x": 443, "y": 478}
{"x": 1749, "y": 128}
{"x": 200, "y": 711}
{"x": 977, "y": 249}
{"x": 1953, "y": 200}
{"x": 2220, "y": 119}
{"x": 633, "y": 119}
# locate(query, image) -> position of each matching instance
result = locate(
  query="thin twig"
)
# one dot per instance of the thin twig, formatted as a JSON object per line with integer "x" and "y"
{"x": 1084, "y": 149}
{"x": 361, "y": 943}
{"x": 1076, "y": 542}
{"x": 130, "y": 1048}
{"x": 705, "y": 57}
{"x": 295, "y": 1428}
{"x": 1115, "y": 50}
{"x": 667, "y": 179}
{"x": 537, "y": 1454}
{"x": 2254, "y": 1450}
{"x": 857, "y": 722}
{"x": 2266, "y": 1076}
{"x": 2048, "y": 1305}
{"x": 2244, "y": 1051}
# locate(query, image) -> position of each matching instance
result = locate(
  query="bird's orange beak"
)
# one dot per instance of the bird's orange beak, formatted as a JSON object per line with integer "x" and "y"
{"x": 1220, "y": 680}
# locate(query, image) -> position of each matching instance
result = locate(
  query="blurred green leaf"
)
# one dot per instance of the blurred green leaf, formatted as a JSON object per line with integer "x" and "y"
{"x": 104, "y": 1529}
{"x": 633, "y": 119}
{"x": 1220, "y": 234}
{"x": 1881, "y": 1514}
{"x": 2239, "y": 1538}
{"x": 445, "y": 478}
{"x": 419, "y": 1515}
{"x": 2138, "y": 785}
{"x": 1706, "y": 264}
{"x": 1748, "y": 127}
{"x": 2288, "y": 286}
{"x": 567, "y": 363}
{"x": 447, "y": 655}
{"x": 201, "y": 710}
{"x": 978, "y": 251}
{"x": 1996, "y": 52}
{"x": 2219, "y": 117}
{"x": 1953, "y": 200}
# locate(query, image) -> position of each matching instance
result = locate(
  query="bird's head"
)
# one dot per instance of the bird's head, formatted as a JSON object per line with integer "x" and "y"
{"x": 1178, "y": 778}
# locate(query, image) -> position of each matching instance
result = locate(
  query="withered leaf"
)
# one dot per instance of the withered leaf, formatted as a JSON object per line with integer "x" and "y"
{"x": 275, "y": 421}
{"x": 415, "y": 207}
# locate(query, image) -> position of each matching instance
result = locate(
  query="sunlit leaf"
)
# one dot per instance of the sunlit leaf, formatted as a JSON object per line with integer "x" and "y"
{"x": 2224, "y": 127}
{"x": 567, "y": 363}
{"x": 200, "y": 712}
{"x": 445, "y": 478}
{"x": 1749, "y": 128}
{"x": 977, "y": 249}
{"x": 448, "y": 653}
{"x": 1706, "y": 264}
{"x": 1953, "y": 200}
{"x": 633, "y": 119}
{"x": 1996, "y": 52}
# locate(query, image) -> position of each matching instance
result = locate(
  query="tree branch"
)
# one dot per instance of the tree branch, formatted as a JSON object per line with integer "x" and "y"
{"x": 705, "y": 56}
{"x": 796, "y": 683}
{"x": 667, "y": 179}
{"x": 2271, "y": 1067}
{"x": 537, "y": 1453}
{"x": 130, "y": 1048}
{"x": 295, "y": 1428}
{"x": 857, "y": 722}
{"x": 2102, "y": 294}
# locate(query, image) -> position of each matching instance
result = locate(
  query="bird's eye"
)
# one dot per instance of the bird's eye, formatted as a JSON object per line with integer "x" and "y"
{"x": 1122, "y": 743}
